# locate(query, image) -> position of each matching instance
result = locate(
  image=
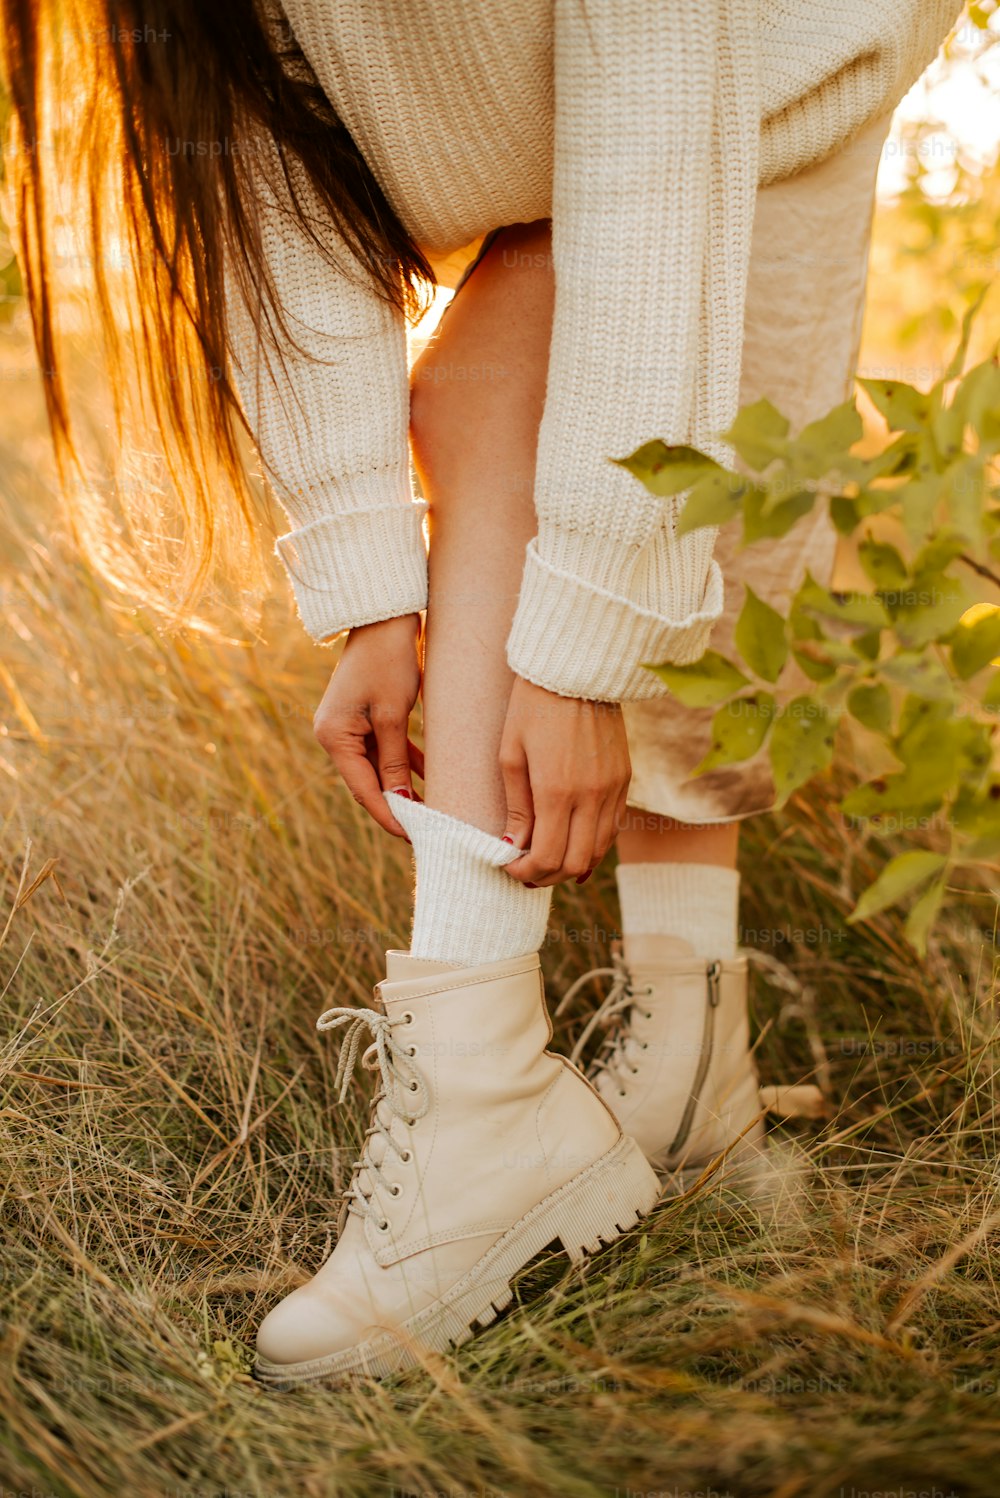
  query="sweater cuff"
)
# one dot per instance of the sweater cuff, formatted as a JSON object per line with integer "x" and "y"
{"x": 590, "y": 639}
{"x": 357, "y": 566}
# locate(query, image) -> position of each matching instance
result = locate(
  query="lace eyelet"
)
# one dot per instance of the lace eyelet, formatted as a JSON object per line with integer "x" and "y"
{"x": 395, "y": 1189}
{"x": 410, "y": 1123}
{"x": 411, "y": 1050}
{"x": 406, "y": 1157}
{"x": 406, "y": 1018}
{"x": 621, "y": 1092}
{"x": 414, "y": 1085}
{"x": 647, "y": 1014}
{"x": 383, "y": 1226}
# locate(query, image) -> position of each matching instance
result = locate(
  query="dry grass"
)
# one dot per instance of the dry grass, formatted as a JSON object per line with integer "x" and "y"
{"x": 185, "y": 887}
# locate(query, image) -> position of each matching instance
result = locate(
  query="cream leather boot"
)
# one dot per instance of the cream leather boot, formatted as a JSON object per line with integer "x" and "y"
{"x": 483, "y": 1149}
{"x": 676, "y": 1068}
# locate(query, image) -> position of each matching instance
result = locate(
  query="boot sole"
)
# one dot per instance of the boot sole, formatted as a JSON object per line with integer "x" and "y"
{"x": 588, "y": 1212}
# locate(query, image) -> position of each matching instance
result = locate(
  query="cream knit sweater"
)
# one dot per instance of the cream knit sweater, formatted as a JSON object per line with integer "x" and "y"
{"x": 643, "y": 128}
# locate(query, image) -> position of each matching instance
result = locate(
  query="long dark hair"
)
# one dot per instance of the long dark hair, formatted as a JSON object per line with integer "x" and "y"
{"x": 160, "y": 122}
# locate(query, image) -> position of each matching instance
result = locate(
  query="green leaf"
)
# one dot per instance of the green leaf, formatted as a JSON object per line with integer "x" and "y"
{"x": 868, "y": 645}
{"x": 871, "y": 704}
{"x": 883, "y": 564}
{"x": 921, "y": 917}
{"x": 938, "y": 751}
{"x": 840, "y": 652}
{"x": 919, "y": 498}
{"x": 981, "y": 850}
{"x": 966, "y": 495}
{"x": 814, "y": 660}
{"x": 938, "y": 553}
{"x": 898, "y": 877}
{"x": 739, "y": 728}
{"x": 760, "y": 637}
{"x": 978, "y": 396}
{"x": 990, "y": 698}
{"x": 976, "y": 812}
{"x": 801, "y": 745}
{"x": 705, "y": 682}
{"x": 765, "y": 519}
{"x": 903, "y": 801}
{"x": 667, "y": 470}
{"x": 919, "y": 718}
{"x": 714, "y": 500}
{"x": 958, "y": 357}
{"x": 905, "y": 408}
{"x": 758, "y": 434}
{"x": 929, "y": 609}
{"x": 870, "y": 502}
{"x": 920, "y": 674}
{"x": 820, "y": 445}
{"x": 844, "y": 514}
{"x": 896, "y": 457}
{"x": 854, "y": 612}
{"x": 976, "y": 642}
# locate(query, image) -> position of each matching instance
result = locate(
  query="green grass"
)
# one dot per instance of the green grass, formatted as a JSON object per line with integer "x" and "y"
{"x": 185, "y": 887}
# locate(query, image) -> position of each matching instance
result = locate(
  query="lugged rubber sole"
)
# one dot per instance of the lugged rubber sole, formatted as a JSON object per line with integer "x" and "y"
{"x": 591, "y": 1210}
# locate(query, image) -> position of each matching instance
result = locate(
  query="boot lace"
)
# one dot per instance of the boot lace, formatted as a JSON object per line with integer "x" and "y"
{"x": 402, "y": 1095}
{"x": 612, "y": 1014}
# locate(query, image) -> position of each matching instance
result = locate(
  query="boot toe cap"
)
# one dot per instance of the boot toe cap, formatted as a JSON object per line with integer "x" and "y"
{"x": 302, "y": 1327}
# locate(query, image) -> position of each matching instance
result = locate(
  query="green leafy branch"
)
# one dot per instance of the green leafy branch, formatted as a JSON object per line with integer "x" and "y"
{"x": 908, "y": 660}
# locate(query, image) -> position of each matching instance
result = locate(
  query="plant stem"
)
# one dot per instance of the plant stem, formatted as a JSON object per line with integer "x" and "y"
{"x": 980, "y": 568}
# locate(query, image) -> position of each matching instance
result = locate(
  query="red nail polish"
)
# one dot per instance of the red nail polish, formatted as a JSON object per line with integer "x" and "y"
{"x": 402, "y": 790}
{"x": 530, "y": 886}
{"x": 506, "y": 839}
{"x": 584, "y": 877}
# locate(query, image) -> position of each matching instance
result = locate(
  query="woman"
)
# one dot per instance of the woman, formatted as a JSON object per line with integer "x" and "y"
{"x": 672, "y": 206}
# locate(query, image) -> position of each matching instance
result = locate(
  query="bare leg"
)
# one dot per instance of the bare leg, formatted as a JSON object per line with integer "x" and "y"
{"x": 648, "y": 838}
{"x": 478, "y": 390}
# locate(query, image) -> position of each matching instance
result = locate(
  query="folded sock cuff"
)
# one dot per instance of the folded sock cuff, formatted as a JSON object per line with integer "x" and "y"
{"x": 697, "y": 902}
{"x": 466, "y": 908}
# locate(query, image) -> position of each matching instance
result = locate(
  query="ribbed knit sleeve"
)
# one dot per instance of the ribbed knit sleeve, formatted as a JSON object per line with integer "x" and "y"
{"x": 331, "y": 425}
{"x": 656, "y": 159}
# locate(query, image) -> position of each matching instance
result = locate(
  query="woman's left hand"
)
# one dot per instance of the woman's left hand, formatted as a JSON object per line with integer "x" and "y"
{"x": 566, "y": 772}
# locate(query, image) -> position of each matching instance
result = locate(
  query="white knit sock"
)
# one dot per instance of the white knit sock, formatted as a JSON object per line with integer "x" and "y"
{"x": 466, "y": 909}
{"x": 697, "y": 902}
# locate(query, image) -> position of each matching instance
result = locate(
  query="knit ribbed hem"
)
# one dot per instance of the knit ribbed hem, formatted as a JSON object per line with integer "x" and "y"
{"x": 357, "y": 566}
{"x": 697, "y": 902}
{"x": 580, "y": 640}
{"x": 466, "y": 908}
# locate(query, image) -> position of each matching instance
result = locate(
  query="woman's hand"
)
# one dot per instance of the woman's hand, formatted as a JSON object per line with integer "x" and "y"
{"x": 566, "y": 772}
{"x": 363, "y": 717}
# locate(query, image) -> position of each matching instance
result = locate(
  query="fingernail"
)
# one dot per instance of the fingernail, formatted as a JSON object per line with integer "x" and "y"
{"x": 403, "y": 790}
{"x": 506, "y": 839}
{"x": 584, "y": 877}
{"x": 530, "y": 886}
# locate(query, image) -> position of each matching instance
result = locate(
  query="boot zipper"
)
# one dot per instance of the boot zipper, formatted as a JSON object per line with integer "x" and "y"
{"x": 712, "y": 974}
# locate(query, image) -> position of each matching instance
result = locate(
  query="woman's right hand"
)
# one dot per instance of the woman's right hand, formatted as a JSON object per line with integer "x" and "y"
{"x": 363, "y": 718}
